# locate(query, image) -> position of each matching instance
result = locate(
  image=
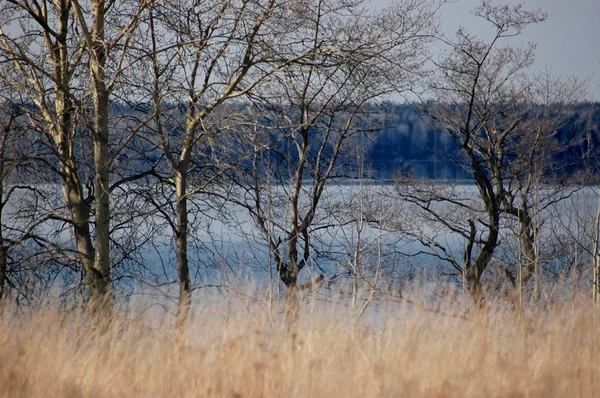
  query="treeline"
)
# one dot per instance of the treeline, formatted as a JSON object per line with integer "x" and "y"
{"x": 409, "y": 142}
{"x": 397, "y": 139}
{"x": 149, "y": 124}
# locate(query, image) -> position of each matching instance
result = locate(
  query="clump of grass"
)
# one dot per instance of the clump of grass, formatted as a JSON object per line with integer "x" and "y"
{"x": 242, "y": 351}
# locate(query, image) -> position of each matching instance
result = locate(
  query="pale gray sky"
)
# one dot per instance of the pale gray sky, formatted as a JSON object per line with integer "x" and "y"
{"x": 568, "y": 41}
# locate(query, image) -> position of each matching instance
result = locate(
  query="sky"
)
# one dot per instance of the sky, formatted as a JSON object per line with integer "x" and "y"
{"x": 568, "y": 42}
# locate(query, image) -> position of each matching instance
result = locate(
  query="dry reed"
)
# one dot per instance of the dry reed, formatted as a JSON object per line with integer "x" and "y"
{"x": 243, "y": 352}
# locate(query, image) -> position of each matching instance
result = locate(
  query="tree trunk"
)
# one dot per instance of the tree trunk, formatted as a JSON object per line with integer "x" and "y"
{"x": 528, "y": 265}
{"x": 596, "y": 287}
{"x": 292, "y": 305}
{"x": 2, "y": 267}
{"x": 475, "y": 271}
{"x": 79, "y": 207}
{"x": 74, "y": 196}
{"x": 99, "y": 288}
{"x": 181, "y": 235}
{"x": 473, "y": 278}
{"x": 80, "y": 212}
{"x": 289, "y": 277}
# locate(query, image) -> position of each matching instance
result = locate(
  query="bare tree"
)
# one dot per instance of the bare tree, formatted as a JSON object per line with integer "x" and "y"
{"x": 204, "y": 55}
{"x": 310, "y": 110}
{"x": 534, "y": 174}
{"x": 479, "y": 104}
{"x": 506, "y": 123}
{"x": 41, "y": 41}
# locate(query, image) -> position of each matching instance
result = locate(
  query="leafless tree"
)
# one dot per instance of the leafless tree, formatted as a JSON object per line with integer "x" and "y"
{"x": 506, "y": 122}
{"x": 203, "y": 56}
{"x": 308, "y": 112}
{"x": 57, "y": 51}
{"x": 534, "y": 176}
{"x": 480, "y": 103}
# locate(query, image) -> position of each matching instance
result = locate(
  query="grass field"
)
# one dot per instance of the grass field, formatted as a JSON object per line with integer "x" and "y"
{"x": 241, "y": 352}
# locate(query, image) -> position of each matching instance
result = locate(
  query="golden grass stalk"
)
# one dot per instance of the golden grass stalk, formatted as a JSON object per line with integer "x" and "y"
{"x": 242, "y": 352}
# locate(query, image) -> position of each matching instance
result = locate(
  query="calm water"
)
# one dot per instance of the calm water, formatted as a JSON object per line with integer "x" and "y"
{"x": 227, "y": 248}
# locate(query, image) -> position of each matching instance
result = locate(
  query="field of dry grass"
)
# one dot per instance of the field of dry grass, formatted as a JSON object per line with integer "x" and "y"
{"x": 241, "y": 352}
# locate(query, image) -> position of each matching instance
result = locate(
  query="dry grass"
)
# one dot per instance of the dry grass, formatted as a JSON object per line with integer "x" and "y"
{"x": 240, "y": 352}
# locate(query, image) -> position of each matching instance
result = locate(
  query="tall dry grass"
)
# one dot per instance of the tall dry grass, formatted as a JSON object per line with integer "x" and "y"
{"x": 243, "y": 352}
